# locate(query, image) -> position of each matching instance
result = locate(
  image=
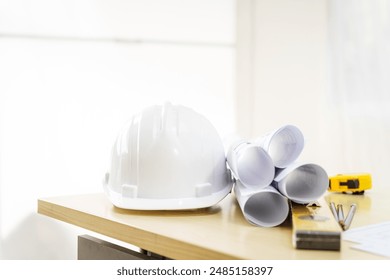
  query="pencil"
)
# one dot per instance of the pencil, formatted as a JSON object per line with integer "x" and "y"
{"x": 334, "y": 211}
{"x": 348, "y": 219}
{"x": 340, "y": 215}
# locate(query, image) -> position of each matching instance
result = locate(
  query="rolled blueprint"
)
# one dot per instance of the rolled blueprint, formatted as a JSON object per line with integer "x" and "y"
{"x": 264, "y": 207}
{"x": 250, "y": 164}
{"x": 284, "y": 145}
{"x": 302, "y": 183}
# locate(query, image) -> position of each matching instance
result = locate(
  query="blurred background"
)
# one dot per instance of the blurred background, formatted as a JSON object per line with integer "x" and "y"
{"x": 73, "y": 72}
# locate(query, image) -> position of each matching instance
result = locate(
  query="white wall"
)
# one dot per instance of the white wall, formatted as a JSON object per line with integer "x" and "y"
{"x": 72, "y": 73}
{"x": 284, "y": 80}
{"x": 288, "y": 44}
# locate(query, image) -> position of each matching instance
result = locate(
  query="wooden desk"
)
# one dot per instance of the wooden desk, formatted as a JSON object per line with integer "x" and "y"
{"x": 219, "y": 232}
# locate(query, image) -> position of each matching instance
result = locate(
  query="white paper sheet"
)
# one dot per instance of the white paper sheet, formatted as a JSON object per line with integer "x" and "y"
{"x": 302, "y": 183}
{"x": 373, "y": 238}
{"x": 264, "y": 207}
{"x": 284, "y": 145}
{"x": 250, "y": 164}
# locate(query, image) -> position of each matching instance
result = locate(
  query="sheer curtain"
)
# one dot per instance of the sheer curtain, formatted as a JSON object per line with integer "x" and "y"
{"x": 360, "y": 83}
{"x": 360, "y": 41}
{"x": 324, "y": 66}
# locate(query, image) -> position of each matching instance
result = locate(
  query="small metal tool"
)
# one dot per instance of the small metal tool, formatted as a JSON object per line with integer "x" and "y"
{"x": 348, "y": 219}
{"x": 340, "y": 215}
{"x": 334, "y": 211}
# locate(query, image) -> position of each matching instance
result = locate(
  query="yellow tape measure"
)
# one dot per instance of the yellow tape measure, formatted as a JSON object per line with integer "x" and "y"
{"x": 355, "y": 183}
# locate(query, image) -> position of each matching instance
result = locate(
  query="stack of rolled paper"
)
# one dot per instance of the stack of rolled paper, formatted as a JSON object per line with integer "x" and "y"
{"x": 267, "y": 175}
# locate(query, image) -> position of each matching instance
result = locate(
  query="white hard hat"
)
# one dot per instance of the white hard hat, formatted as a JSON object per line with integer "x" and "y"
{"x": 167, "y": 157}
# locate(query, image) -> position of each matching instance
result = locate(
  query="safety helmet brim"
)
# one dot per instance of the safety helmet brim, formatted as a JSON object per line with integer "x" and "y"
{"x": 124, "y": 202}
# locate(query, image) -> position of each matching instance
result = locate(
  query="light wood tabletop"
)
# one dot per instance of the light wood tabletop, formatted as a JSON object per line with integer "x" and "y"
{"x": 218, "y": 232}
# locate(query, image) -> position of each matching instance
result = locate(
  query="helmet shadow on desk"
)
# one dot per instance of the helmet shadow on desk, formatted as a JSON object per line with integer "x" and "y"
{"x": 212, "y": 210}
